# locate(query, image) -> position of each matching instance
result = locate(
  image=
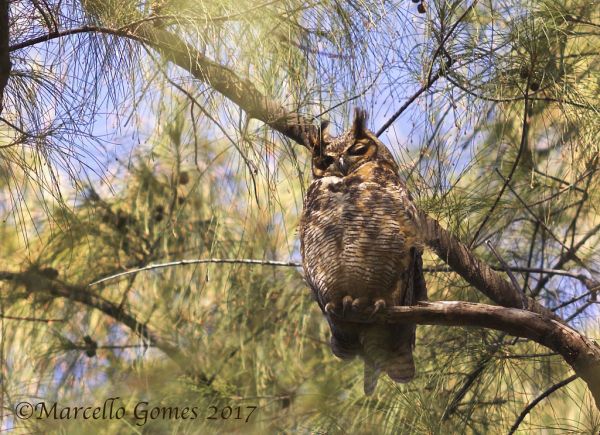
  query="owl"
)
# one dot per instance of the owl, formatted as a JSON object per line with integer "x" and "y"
{"x": 361, "y": 250}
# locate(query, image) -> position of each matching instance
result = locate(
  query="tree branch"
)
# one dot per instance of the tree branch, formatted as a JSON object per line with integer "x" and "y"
{"x": 581, "y": 353}
{"x": 197, "y": 261}
{"x": 34, "y": 281}
{"x": 225, "y": 81}
{"x": 474, "y": 271}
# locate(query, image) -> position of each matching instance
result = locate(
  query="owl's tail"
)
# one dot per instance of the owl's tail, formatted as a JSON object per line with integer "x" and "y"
{"x": 387, "y": 349}
{"x": 371, "y": 376}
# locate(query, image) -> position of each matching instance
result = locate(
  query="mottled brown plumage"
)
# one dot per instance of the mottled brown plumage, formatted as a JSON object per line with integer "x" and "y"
{"x": 361, "y": 248}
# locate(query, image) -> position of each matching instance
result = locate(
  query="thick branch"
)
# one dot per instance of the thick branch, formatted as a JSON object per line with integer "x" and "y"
{"x": 4, "y": 53}
{"x": 474, "y": 271}
{"x": 581, "y": 353}
{"x": 33, "y": 281}
{"x": 227, "y": 82}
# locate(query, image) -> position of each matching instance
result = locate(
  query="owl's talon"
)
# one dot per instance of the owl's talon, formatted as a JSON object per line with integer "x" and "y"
{"x": 359, "y": 304}
{"x": 346, "y": 304}
{"x": 330, "y": 308}
{"x": 378, "y": 306}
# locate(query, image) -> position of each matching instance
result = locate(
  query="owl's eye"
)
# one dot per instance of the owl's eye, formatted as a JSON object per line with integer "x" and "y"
{"x": 323, "y": 162}
{"x": 358, "y": 149}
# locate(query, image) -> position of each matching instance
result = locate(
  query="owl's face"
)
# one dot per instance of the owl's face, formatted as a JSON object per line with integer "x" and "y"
{"x": 343, "y": 155}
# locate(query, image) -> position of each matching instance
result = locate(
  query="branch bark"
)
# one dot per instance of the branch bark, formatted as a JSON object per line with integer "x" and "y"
{"x": 581, "y": 353}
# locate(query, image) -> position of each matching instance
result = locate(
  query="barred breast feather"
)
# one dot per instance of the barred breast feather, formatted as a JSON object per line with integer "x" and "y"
{"x": 356, "y": 236}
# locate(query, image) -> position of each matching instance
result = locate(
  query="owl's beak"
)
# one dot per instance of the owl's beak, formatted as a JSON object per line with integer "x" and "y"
{"x": 343, "y": 165}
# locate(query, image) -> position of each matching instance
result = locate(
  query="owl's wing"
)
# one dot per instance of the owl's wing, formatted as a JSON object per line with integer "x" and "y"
{"x": 416, "y": 289}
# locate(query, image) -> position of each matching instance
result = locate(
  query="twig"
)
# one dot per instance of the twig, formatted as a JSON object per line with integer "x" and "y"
{"x": 431, "y": 79}
{"x": 74, "y": 31}
{"x": 570, "y": 253}
{"x": 538, "y": 399}
{"x": 30, "y": 319}
{"x": 522, "y": 146}
{"x": 576, "y": 298}
{"x": 579, "y": 310}
{"x": 48, "y": 19}
{"x": 466, "y": 386}
{"x": 408, "y": 102}
{"x": 198, "y": 261}
{"x": 544, "y": 270}
{"x": 514, "y": 281}
{"x": 570, "y": 186}
{"x": 445, "y": 38}
{"x": 538, "y": 220}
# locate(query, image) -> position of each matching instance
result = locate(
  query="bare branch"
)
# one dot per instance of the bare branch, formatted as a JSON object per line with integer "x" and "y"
{"x": 198, "y": 261}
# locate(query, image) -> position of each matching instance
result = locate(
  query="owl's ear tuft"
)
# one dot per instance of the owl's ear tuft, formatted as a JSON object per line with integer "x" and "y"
{"x": 360, "y": 123}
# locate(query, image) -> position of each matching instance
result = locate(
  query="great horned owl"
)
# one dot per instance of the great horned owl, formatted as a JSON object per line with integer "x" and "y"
{"x": 361, "y": 249}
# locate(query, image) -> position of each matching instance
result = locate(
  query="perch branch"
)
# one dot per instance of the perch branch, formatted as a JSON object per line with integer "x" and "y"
{"x": 581, "y": 353}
